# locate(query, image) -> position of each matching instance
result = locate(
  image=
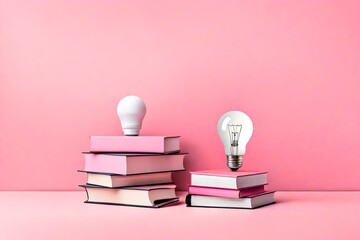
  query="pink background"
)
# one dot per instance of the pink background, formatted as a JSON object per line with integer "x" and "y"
{"x": 292, "y": 66}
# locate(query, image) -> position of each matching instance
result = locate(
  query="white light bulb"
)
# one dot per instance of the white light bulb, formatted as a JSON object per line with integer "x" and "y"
{"x": 235, "y": 129}
{"x": 131, "y": 111}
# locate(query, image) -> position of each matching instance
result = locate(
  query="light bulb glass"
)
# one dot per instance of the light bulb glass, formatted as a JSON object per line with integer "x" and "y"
{"x": 235, "y": 129}
{"x": 131, "y": 111}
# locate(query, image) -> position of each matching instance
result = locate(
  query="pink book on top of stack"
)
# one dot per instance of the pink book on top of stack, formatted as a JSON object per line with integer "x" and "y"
{"x": 138, "y": 144}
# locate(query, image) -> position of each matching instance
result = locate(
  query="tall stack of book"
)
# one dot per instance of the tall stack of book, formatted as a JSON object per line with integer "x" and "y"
{"x": 132, "y": 171}
{"x": 226, "y": 189}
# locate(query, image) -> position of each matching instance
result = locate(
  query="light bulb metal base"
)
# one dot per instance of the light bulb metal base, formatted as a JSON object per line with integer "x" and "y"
{"x": 234, "y": 162}
{"x": 131, "y": 131}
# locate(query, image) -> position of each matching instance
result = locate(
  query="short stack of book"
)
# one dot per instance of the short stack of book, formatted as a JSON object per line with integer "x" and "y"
{"x": 132, "y": 171}
{"x": 226, "y": 189}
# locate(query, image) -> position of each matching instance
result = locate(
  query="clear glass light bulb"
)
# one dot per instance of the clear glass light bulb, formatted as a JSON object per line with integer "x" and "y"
{"x": 131, "y": 111}
{"x": 235, "y": 129}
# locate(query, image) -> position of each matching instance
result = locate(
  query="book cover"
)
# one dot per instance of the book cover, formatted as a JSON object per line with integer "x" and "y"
{"x": 138, "y": 144}
{"x": 225, "y": 173}
{"x": 145, "y": 196}
{"x": 115, "y": 180}
{"x": 225, "y": 178}
{"x": 250, "y": 202}
{"x": 127, "y": 164}
{"x": 229, "y": 193}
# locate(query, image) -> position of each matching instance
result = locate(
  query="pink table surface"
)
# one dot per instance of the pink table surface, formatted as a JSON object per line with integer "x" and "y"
{"x": 63, "y": 215}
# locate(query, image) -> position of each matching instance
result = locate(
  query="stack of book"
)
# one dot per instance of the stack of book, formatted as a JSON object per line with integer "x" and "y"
{"x": 132, "y": 171}
{"x": 226, "y": 189}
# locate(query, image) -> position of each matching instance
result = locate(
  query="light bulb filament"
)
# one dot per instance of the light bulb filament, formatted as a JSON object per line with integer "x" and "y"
{"x": 234, "y": 133}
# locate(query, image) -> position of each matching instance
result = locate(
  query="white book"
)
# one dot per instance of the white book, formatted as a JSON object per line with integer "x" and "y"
{"x": 249, "y": 202}
{"x": 224, "y": 178}
{"x": 140, "y": 196}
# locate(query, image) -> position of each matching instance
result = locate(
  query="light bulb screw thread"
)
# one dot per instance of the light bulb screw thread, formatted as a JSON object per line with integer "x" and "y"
{"x": 234, "y": 162}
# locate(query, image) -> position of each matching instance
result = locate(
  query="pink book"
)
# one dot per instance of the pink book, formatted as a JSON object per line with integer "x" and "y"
{"x": 132, "y": 164}
{"x": 225, "y": 178}
{"x": 138, "y": 144}
{"x": 229, "y": 193}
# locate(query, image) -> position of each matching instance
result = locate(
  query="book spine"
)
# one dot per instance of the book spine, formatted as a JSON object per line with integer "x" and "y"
{"x": 251, "y": 191}
{"x": 188, "y": 200}
{"x": 133, "y": 164}
{"x": 127, "y": 144}
{"x": 228, "y": 193}
{"x": 208, "y": 191}
{"x": 105, "y": 163}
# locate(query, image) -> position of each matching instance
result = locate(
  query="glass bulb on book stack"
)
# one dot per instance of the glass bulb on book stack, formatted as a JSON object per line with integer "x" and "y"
{"x": 131, "y": 111}
{"x": 235, "y": 129}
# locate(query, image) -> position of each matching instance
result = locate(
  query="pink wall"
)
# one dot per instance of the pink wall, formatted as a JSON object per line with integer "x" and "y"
{"x": 292, "y": 66}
